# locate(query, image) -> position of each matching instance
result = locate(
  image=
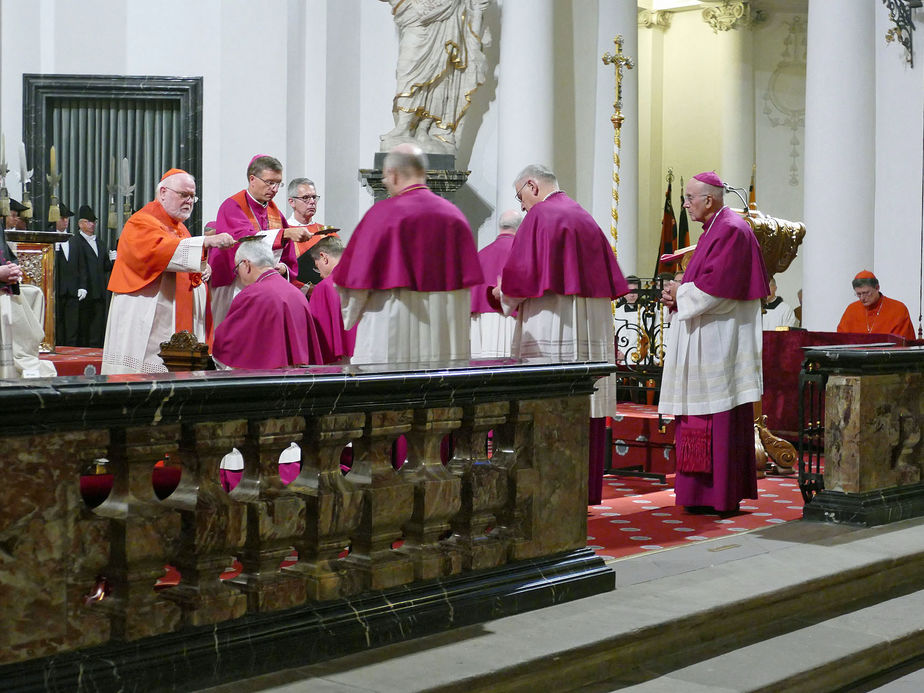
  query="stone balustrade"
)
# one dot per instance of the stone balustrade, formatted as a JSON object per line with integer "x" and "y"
{"x": 380, "y": 554}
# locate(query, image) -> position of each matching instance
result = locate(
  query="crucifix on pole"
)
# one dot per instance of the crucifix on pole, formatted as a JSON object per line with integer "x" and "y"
{"x": 620, "y": 62}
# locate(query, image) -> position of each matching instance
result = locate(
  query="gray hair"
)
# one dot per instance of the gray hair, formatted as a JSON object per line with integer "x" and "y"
{"x": 331, "y": 245}
{"x": 539, "y": 172}
{"x": 295, "y": 182}
{"x": 256, "y": 252}
{"x": 409, "y": 163}
{"x": 163, "y": 183}
{"x": 511, "y": 219}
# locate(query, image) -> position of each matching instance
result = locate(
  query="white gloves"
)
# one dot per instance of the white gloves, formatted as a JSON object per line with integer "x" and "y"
{"x": 81, "y": 294}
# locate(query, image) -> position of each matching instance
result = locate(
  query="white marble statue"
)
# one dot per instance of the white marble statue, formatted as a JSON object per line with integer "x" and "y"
{"x": 441, "y": 63}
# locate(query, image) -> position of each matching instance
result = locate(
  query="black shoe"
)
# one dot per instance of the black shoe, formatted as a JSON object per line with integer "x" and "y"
{"x": 699, "y": 509}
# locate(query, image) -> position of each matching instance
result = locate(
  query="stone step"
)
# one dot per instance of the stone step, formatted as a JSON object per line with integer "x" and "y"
{"x": 671, "y": 610}
{"x": 825, "y": 656}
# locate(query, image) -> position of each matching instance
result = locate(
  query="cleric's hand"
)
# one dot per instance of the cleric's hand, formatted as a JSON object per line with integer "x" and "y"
{"x": 669, "y": 294}
{"x": 298, "y": 234}
{"x": 219, "y": 240}
{"x": 10, "y": 273}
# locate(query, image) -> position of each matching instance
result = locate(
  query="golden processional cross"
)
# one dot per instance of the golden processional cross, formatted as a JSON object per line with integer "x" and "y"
{"x": 620, "y": 61}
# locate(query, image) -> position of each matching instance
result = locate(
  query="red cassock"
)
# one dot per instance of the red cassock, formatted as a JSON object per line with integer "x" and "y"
{"x": 886, "y": 316}
{"x": 268, "y": 326}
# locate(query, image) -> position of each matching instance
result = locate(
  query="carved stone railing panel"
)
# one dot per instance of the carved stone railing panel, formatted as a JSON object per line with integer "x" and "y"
{"x": 333, "y": 505}
{"x": 558, "y": 521}
{"x": 213, "y": 526}
{"x": 514, "y": 452}
{"x": 275, "y": 517}
{"x": 436, "y": 495}
{"x": 52, "y": 543}
{"x": 142, "y": 530}
{"x": 517, "y": 518}
{"x": 483, "y": 491}
{"x": 388, "y": 501}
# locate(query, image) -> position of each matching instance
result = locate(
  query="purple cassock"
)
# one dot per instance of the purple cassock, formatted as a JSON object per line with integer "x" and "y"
{"x": 560, "y": 249}
{"x": 414, "y": 240}
{"x": 232, "y": 219}
{"x": 268, "y": 326}
{"x": 492, "y": 257}
{"x": 336, "y": 342}
{"x": 716, "y": 464}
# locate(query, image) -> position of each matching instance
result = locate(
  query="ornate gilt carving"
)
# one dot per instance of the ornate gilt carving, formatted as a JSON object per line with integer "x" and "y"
{"x": 731, "y": 14}
{"x": 900, "y": 15}
{"x": 655, "y": 19}
{"x": 781, "y": 454}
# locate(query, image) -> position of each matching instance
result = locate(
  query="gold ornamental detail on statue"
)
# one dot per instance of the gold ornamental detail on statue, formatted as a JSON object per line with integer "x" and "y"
{"x": 620, "y": 62}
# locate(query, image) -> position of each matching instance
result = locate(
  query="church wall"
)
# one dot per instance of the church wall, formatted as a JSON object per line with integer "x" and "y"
{"x": 899, "y": 106}
{"x": 779, "y": 189}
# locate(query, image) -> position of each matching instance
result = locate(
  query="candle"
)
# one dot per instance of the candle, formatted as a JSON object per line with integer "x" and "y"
{"x": 23, "y": 166}
{"x": 54, "y": 161}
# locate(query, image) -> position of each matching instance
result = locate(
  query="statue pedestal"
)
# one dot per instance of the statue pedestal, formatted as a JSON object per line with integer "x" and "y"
{"x": 442, "y": 176}
{"x": 874, "y": 414}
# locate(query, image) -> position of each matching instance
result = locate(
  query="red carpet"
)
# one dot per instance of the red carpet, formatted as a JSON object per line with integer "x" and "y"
{"x": 639, "y": 515}
{"x": 74, "y": 360}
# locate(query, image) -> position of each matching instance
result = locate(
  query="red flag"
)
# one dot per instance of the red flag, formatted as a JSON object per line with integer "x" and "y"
{"x": 668, "y": 230}
{"x": 752, "y": 191}
{"x": 683, "y": 225}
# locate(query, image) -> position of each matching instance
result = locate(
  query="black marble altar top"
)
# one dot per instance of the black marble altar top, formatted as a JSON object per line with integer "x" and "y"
{"x": 864, "y": 359}
{"x": 72, "y": 402}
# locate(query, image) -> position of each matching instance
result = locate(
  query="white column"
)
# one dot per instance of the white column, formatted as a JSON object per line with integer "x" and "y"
{"x": 525, "y": 92}
{"x": 617, "y": 18}
{"x": 737, "y": 107}
{"x": 899, "y": 102}
{"x": 839, "y": 156}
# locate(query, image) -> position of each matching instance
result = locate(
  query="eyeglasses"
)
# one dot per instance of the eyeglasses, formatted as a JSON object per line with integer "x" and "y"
{"x": 689, "y": 198}
{"x": 238, "y": 265}
{"x": 307, "y": 198}
{"x": 184, "y": 195}
{"x": 269, "y": 184}
{"x": 519, "y": 195}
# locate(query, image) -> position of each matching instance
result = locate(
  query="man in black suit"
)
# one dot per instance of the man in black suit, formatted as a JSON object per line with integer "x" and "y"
{"x": 93, "y": 267}
{"x": 67, "y": 281}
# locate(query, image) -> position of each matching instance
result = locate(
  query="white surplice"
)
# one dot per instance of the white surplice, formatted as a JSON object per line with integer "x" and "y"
{"x": 21, "y": 334}
{"x": 713, "y": 355}
{"x": 138, "y": 322}
{"x": 561, "y": 328}
{"x": 404, "y": 326}
{"x": 492, "y": 335}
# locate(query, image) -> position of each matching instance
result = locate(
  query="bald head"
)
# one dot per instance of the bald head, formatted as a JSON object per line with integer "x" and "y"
{"x": 406, "y": 164}
{"x": 510, "y": 221}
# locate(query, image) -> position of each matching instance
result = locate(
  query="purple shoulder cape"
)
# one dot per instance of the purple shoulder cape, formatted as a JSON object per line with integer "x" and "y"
{"x": 268, "y": 326}
{"x": 560, "y": 249}
{"x": 336, "y": 342}
{"x": 492, "y": 257}
{"x": 727, "y": 261}
{"x": 415, "y": 240}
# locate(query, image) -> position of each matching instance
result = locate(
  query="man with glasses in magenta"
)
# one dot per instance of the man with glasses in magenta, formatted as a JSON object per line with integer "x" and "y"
{"x": 252, "y": 212}
{"x": 713, "y": 369}
{"x": 561, "y": 276}
{"x": 156, "y": 277}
